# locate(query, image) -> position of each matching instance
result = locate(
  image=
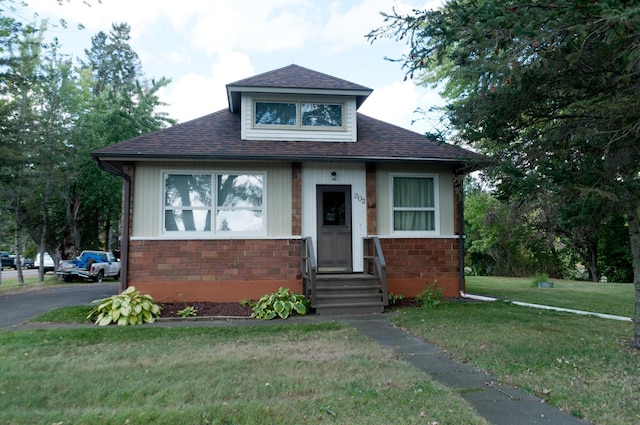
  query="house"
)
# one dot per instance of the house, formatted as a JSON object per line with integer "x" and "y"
{"x": 290, "y": 186}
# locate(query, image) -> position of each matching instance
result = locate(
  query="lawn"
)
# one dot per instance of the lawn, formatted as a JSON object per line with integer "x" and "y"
{"x": 581, "y": 364}
{"x": 609, "y": 298}
{"x": 280, "y": 374}
{"x": 303, "y": 373}
{"x": 12, "y": 284}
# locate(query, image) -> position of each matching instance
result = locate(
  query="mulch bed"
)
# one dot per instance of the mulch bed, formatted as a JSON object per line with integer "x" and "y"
{"x": 204, "y": 309}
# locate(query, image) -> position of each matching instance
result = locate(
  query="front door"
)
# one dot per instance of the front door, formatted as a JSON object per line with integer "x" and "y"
{"x": 334, "y": 229}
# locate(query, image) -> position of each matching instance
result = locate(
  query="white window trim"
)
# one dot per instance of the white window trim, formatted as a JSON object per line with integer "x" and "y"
{"x": 436, "y": 206}
{"x": 212, "y": 234}
{"x": 299, "y": 125}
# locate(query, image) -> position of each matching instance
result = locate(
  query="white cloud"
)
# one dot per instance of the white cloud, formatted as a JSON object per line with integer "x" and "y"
{"x": 194, "y": 95}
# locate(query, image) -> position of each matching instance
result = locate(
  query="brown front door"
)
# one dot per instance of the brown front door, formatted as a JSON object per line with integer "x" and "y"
{"x": 334, "y": 229}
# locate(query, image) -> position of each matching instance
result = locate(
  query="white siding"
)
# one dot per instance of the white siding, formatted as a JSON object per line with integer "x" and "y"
{"x": 148, "y": 195}
{"x": 249, "y": 132}
{"x": 446, "y": 198}
{"x": 314, "y": 174}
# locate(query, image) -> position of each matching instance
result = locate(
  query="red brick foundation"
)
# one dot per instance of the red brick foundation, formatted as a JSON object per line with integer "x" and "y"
{"x": 414, "y": 263}
{"x": 213, "y": 270}
{"x": 231, "y": 270}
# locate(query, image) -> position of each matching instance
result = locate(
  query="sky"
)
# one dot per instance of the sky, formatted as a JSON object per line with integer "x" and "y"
{"x": 202, "y": 45}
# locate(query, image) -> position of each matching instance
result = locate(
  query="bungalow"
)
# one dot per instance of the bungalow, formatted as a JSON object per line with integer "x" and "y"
{"x": 290, "y": 186}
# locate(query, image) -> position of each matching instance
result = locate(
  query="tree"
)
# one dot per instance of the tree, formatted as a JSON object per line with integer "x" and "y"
{"x": 547, "y": 89}
{"x": 119, "y": 104}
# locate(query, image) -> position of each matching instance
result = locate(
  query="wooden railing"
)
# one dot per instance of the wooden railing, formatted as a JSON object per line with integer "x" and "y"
{"x": 375, "y": 264}
{"x": 309, "y": 269}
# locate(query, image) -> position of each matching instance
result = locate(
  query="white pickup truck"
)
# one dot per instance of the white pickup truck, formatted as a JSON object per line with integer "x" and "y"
{"x": 90, "y": 265}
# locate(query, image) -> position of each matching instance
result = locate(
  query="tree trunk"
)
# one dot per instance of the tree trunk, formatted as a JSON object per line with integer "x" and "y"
{"x": 634, "y": 236}
{"x": 18, "y": 252}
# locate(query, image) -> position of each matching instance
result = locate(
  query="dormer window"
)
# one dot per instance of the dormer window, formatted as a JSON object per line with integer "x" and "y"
{"x": 276, "y": 113}
{"x": 298, "y": 115}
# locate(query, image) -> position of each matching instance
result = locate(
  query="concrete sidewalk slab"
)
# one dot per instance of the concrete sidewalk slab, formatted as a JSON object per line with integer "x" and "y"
{"x": 498, "y": 404}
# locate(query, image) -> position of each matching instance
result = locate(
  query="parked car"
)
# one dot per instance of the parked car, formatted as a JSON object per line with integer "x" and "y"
{"x": 7, "y": 260}
{"x": 49, "y": 265}
{"x": 90, "y": 265}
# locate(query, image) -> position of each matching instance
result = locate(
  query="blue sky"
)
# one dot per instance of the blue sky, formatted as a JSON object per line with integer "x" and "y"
{"x": 202, "y": 45}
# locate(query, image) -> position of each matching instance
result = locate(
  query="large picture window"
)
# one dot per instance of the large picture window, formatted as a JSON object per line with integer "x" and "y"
{"x": 298, "y": 114}
{"x": 415, "y": 203}
{"x": 218, "y": 202}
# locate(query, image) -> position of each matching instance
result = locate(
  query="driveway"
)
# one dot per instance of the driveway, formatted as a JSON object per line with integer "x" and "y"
{"x": 17, "y": 308}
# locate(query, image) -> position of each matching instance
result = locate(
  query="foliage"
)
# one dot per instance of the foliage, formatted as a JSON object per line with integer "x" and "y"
{"x": 548, "y": 91}
{"x": 188, "y": 311}
{"x": 430, "y": 296}
{"x": 395, "y": 298}
{"x": 539, "y": 278}
{"x": 53, "y": 113}
{"x": 130, "y": 307}
{"x": 281, "y": 303}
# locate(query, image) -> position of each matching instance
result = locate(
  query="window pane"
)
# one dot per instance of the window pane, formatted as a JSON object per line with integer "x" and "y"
{"x": 321, "y": 114}
{"x": 239, "y": 221}
{"x": 274, "y": 113}
{"x": 413, "y": 192}
{"x": 187, "y": 190}
{"x": 187, "y": 220}
{"x": 414, "y": 220}
{"x": 240, "y": 190}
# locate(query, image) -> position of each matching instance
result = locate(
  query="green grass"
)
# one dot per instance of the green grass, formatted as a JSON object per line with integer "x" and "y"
{"x": 73, "y": 314}
{"x": 277, "y": 374}
{"x": 580, "y": 364}
{"x": 29, "y": 283}
{"x": 609, "y": 298}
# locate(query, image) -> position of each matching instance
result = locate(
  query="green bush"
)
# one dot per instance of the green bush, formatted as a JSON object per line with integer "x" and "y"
{"x": 281, "y": 303}
{"x": 128, "y": 308}
{"x": 395, "y": 298}
{"x": 430, "y": 296}
{"x": 188, "y": 311}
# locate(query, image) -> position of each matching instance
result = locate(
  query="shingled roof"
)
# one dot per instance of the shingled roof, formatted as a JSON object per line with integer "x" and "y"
{"x": 295, "y": 79}
{"x": 217, "y": 137}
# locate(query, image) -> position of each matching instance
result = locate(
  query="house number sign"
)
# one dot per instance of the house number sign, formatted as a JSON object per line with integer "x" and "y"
{"x": 360, "y": 198}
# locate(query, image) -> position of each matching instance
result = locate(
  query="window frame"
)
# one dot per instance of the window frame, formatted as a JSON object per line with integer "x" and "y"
{"x": 435, "y": 208}
{"x": 299, "y": 125}
{"x": 213, "y": 208}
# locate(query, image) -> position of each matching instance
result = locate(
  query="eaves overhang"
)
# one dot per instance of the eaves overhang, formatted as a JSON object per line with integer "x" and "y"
{"x": 234, "y": 94}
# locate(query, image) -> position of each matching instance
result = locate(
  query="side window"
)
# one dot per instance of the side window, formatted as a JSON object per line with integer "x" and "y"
{"x": 415, "y": 201}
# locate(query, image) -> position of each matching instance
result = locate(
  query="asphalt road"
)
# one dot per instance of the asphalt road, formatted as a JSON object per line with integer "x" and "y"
{"x": 16, "y": 308}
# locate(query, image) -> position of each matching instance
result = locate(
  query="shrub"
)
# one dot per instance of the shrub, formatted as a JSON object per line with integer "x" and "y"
{"x": 395, "y": 298}
{"x": 281, "y": 303}
{"x": 430, "y": 296}
{"x": 539, "y": 278}
{"x": 128, "y": 308}
{"x": 188, "y": 311}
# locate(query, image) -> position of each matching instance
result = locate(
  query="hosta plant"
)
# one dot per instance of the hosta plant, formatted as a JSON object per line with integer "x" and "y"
{"x": 281, "y": 303}
{"x": 131, "y": 307}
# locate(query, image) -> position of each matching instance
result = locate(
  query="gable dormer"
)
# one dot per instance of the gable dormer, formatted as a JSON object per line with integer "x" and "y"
{"x": 297, "y": 104}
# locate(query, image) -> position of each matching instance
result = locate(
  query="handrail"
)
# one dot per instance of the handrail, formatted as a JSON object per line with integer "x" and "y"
{"x": 309, "y": 268}
{"x": 379, "y": 264}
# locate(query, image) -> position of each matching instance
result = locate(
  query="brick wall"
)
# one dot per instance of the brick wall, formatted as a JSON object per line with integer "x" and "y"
{"x": 412, "y": 263}
{"x": 214, "y": 270}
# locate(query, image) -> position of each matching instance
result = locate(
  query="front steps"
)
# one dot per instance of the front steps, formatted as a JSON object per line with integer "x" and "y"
{"x": 356, "y": 293}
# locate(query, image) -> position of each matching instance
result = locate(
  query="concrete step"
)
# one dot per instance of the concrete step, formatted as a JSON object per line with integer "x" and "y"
{"x": 350, "y": 308}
